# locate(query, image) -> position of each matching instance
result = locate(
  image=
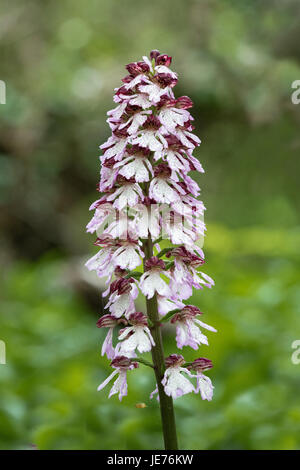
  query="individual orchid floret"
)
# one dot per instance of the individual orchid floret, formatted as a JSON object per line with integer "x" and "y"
{"x": 187, "y": 327}
{"x": 191, "y": 209}
{"x": 178, "y": 157}
{"x": 121, "y": 364}
{"x": 115, "y": 146}
{"x": 122, "y": 95}
{"x": 103, "y": 211}
{"x": 199, "y": 278}
{"x": 166, "y": 80}
{"x": 174, "y": 382}
{"x": 184, "y": 134}
{"x": 159, "y": 85}
{"x": 150, "y": 136}
{"x": 165, "y": 304}
{"x": 189, "y": 224}
{"x": 177, "y": 229}
{"x": 118, "y": 273}
{"x": 108, "y": 175}
{"x": 162, "y": 63}
{"x": 190, "y": 186}
{"x": 116, "y": 113}
{"x": 163, "y": 188}
{"x": 127, "y": 194}
{"x": 120, "y": 226}
{"x": 101, "y": 261}
{"x": 137, "y": 336}
{"x": 128, "y": 255}
{"x": 125, "y": 253}
{"x": 169, "y": 115}
{"x": 138, "y": 73}
{"x": 110, "y": 322}
{"x": 136, "y": 165}
{"x": 184, "y": 275}
{"x": 123, "y": 292}
{"x": 133, "y": 118}
{"x": 151, "y": 281}
{"x": 140, "y": 99}
{"x": 147, "y": 219}
{"x": 181, "y": 280}
{"x": 204, "y": 384}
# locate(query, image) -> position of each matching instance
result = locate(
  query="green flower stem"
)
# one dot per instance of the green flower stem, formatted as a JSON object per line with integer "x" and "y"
{"x": 166, "y": 403}
{"x": 143, "y": 361}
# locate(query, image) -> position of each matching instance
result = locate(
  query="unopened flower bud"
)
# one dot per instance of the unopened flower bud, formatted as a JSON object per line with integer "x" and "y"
{"x": 184, "y": 102}
{"x": 201, "y": 364}
{"x": 162, "y": 170}
{"x": 154, "y": 262}
{"x": 165, "y": 79}
{"x": 191, "y": 310}
{"x": 138, "y": 318}
{"x": 106, "y": 321}
{"x": 174, "y": 360}
{"x": 121, "y": 362}
{"x": 163, "y": 59}
{"x": 121, "y": 286}
{"x": 153, "y": 54}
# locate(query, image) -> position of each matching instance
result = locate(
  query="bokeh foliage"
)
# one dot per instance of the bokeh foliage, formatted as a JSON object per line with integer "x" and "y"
{"x": 60, "y": 61}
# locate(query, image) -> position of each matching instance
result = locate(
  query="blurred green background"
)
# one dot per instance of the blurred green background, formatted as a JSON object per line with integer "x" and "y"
{"x": 237, "y": 60}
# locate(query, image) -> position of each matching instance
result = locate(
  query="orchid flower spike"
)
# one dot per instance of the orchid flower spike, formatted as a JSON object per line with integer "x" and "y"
{"x": 149, "y": 225}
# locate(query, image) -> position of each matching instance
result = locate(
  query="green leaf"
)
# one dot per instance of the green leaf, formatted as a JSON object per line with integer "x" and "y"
{"x": 170, "y": 315}
{"x": 170, "y": 265}
{"x": 134, "y": 274}
{"x": 163, "y": 252}
{"x": 150, "y": 323}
